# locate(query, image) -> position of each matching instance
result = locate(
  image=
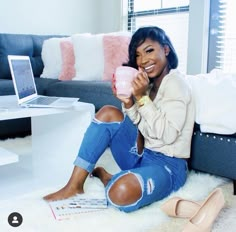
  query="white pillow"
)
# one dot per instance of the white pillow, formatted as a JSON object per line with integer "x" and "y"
{"x": 120, "y": 33}
{"x": 89, "y": 56}
{"x": 51, "y": 56}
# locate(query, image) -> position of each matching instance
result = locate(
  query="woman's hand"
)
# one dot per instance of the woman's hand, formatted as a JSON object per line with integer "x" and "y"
{"x": 128, "y": 101}
{"x": 140, "y": 84}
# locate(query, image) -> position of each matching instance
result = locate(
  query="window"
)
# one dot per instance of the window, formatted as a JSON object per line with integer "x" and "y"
{"x": 222, "y": 36}
{"x": 172, "y": 16}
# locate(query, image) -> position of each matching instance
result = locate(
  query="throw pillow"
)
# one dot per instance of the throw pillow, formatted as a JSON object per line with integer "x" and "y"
{"x": 68, "y": 61}
{"x": 51, "y": 56}
{"x": 89, "y": 57}
{"x": 115, "y": 53}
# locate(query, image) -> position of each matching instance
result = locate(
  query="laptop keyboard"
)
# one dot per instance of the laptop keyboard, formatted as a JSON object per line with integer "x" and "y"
{"x": 44, "y": 100}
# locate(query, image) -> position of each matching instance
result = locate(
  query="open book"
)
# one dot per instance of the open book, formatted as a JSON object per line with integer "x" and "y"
{"x": 64, "y": 209}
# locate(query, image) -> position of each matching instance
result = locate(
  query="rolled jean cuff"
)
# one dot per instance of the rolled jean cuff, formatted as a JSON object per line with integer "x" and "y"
{"x": 84, "y": 164}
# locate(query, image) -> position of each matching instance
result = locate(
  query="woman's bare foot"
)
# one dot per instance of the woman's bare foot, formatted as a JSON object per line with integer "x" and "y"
{"x": 73, "y": 187}
{"x": 102, "y": 174}
{"x": 63, "y": 193}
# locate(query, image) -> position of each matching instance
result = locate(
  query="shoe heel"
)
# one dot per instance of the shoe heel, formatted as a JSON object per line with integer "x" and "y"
{"x": 204, "y": 218}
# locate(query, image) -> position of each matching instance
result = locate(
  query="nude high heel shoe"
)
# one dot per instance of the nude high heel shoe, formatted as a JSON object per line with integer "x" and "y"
{"x": 178, "y": 207}
{"x": 204, "y": 218}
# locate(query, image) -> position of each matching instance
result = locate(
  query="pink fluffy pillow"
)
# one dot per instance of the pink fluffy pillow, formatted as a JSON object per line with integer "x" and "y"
{"x": 115, "y": 53}
{"x": 68, "y": 61}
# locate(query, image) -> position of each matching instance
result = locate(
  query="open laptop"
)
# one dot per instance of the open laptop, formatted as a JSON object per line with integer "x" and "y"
{"x": 25, "y": 88}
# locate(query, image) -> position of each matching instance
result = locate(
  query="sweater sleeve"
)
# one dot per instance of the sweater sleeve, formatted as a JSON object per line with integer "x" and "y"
{"x": 164, "y": 118}
{"x": 133, "y": 113}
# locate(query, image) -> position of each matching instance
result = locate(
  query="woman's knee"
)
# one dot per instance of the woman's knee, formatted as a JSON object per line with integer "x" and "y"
{"x": 126, "y": 190}
{"x": 109, "y": 114}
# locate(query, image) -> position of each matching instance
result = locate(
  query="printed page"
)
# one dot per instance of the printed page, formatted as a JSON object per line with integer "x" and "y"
{"x": 64, "y": 209}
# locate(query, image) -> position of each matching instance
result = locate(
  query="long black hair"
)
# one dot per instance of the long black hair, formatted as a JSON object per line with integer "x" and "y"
{"x": 155, "y": 34}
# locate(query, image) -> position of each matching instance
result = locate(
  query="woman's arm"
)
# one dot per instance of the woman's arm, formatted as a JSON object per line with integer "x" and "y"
{"x": 163, "y": 118}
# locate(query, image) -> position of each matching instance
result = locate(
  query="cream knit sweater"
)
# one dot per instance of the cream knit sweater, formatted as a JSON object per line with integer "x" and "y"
{"x": 167, "y": 122}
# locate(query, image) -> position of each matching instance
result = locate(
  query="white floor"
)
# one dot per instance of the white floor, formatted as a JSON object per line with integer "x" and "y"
{"x": 19, "y": 178}
{"x": 22, "y": 191}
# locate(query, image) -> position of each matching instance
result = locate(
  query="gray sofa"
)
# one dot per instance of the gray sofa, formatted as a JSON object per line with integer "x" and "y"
{"x": 210, "y": 153}
{"x": 96, "y": 92}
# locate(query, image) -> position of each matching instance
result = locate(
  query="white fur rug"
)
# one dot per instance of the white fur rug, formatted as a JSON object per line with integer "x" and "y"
{"x": 37, "y": 216}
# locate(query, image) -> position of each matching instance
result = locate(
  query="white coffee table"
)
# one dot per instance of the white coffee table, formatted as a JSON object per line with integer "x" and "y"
{"x": 56, "y": 138}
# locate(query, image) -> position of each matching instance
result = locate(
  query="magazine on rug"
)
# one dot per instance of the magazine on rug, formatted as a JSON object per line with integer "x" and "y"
{"x": 67, "y": 208}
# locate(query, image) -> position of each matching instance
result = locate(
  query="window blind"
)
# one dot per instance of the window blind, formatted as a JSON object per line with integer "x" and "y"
{"x": 171, "y": 16}
{"x": 222, "y": 43}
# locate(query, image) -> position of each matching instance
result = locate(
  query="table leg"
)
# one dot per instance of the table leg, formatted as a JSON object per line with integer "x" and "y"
{"x": 55, "y": 143}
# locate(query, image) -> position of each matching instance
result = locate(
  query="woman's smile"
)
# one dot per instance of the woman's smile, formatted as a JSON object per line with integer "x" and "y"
{"x": 149, "y": 68}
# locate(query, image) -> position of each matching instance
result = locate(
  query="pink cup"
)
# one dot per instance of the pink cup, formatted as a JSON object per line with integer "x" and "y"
{"x": 124, "y": 75}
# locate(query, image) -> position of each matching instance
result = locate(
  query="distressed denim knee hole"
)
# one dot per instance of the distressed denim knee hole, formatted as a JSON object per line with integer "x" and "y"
{"x": 128, "y": 207}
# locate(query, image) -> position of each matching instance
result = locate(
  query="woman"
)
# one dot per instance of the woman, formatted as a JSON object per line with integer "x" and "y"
{"x": 149, "y": 139}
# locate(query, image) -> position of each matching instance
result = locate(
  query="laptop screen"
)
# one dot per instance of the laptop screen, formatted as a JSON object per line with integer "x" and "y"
{"x": 23, "y": 77}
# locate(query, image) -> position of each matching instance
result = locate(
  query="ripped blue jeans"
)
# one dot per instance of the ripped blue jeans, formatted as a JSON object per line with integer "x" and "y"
{"x": 158, "y": 174}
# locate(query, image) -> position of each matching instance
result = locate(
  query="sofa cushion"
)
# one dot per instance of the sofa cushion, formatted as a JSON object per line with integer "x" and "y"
{"x": 43, "y": 83}
{"x": 112, "y": 58}
{"x": 68, "y": 61}
{"x": 6, "y": 87}
{"x": 111, "y": 52}
{"x": 21, "y": 44}
{"x": 52, "y": 57}
{"x": 98, "y": 93}
{"x": 89, "y": 65}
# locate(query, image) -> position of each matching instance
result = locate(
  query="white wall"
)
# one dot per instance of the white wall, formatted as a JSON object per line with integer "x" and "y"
{"x": 67, "y": 17}
{"x": 59, "y": 16}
